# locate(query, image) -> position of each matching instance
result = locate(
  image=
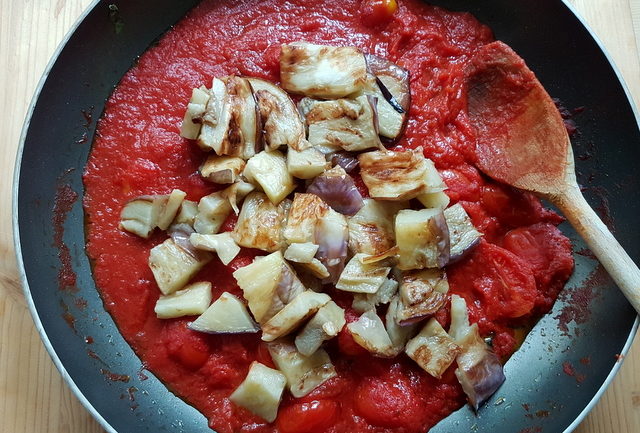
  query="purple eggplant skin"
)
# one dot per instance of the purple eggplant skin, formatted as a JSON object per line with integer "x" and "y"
{"x": 459, "y": 252}
{"x": 479, "y": 369}
{"x": 180, "y": 234}
{"x": 393, "y": 83}
{"x": 480, "y": 380}
{"x": 338, "y": 190}
{"x": 389, "y": 97}
{"x": 379, "y": 66}
{"x": 347, "y": 160}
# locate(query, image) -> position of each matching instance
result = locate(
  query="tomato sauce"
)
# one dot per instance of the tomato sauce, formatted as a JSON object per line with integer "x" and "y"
{"x": 511, "y": 278}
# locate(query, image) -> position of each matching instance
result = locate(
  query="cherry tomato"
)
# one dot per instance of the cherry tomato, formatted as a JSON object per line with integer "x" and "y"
{"x": 312, "y": 417}
{"x": 377, "y": 12}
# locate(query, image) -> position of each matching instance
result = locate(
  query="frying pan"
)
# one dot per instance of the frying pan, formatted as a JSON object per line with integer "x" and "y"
{"x": 552, "y": 381}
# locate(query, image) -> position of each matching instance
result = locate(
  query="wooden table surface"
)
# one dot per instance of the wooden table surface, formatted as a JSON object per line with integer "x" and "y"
{"x": 33, "y": 397}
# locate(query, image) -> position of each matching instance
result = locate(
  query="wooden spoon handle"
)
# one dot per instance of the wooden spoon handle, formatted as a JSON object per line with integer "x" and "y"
{"x": 601, "y": 242}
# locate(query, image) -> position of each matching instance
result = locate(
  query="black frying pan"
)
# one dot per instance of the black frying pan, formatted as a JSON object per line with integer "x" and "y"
{"x": 551, "y": 381}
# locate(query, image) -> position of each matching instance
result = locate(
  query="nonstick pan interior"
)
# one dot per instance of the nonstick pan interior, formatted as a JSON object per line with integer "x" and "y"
{"x": 545, "y": 376}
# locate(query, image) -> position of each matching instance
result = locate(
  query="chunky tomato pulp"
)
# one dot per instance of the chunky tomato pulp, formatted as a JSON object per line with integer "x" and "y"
{"x": 512, "y": 277}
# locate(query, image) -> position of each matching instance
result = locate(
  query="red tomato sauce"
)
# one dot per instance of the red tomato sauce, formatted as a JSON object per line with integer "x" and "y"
{"x": 512, "y": 277}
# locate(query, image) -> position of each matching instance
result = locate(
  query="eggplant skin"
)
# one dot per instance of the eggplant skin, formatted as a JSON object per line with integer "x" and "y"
{"x": 346, "y": 160}
{"x": 481, "y": 380}
{"x": 381, "y": 67}
{"x": 338, "y": 190}
{"x": 479, "y": 370}
{"x": 391, "y": 84}
{"x": 438, "y": 226}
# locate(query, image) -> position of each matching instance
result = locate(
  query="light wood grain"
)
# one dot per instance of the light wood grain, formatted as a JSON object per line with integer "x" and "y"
{"x": 33, "y": 397}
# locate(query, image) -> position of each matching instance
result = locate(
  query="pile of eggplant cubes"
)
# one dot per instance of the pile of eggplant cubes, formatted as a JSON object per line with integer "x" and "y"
{"x": 285, "y": 170}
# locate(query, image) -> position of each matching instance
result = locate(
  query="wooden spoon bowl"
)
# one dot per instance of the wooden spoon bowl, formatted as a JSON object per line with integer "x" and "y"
{"x": 522, "y": 141}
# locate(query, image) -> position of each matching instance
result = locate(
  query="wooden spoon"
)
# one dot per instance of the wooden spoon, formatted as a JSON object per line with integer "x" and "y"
{"x": 522, "y": 141}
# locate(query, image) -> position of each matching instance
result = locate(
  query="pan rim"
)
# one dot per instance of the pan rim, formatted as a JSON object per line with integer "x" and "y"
{"x": 27, "y": 291}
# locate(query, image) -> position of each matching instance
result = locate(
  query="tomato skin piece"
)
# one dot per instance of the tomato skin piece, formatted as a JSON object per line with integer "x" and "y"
{"x": 463, "y": 182}
{"x": 515, "y": 208}
{"x": 549, "y": 255}
{"x": 360, "y": 186}
{"x": 522, "y": 243}
{"x": 502, "y": 282}
{"x": 486, "y": 224}
{"x": 311, "y": 417}
{"x": 512, "y": 284}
